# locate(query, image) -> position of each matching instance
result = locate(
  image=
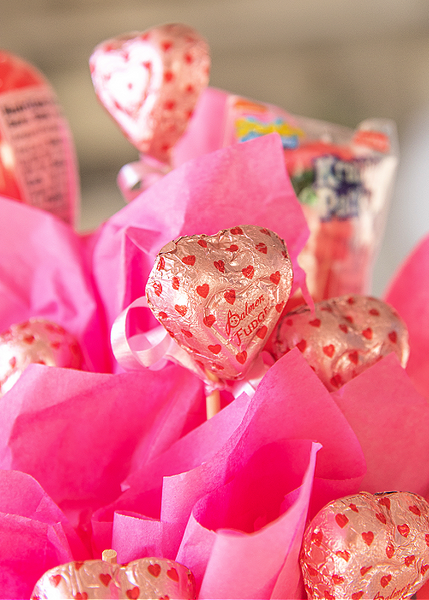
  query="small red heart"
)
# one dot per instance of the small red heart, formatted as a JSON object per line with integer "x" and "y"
{"x": 262, "y": 247}
{"x": 343, "y": 327}
{"x": 265, "y": 231}
{"x": 55, "y": 579}
{"x": 220, "y": 265}
{"x": 187, "y": 333}
{"x": 424, "y": 569}
{"x": 381, "y": 518}
{"x": 55, "y": 345}
{"x": 29, "y": 339}
{"x": 343, "y": 554}
{"x": 182, "y": 310}
{"x": 315, "y": 323}
{"x": 367, "y": 333}
{"x": 215, "y": 348}
{"x": 341, "y": 520}
{"x": 357, "y": 595}
{"x": 229, "y": 296}
{"x": 353, "y": 507}
{"x": 385, "y": 501}
{"x": 404, "y": 530}
{"x": 167, "y": 45}
{"x": 365, "y": 570}
{"x": 157, "y": 288}
{"x": 161, "y": 264}
{"x": 81, "y": 596}
{"x": 105, "y": 578}
{"x": 175, "y": 282}
{"x": 390, "y": 551}
{"x": 189, "y": 260}
{"x": 232, "y": 248}
{"x": 78, "y": 565}
{"x": 134, "y": 593}
{"x": 12, "y": 362}
{"x": 262, "y": 332}
{"x": 393, "y": 337}
{"x": 275, "y": 277}
{"x": 248, "y": 271}
{"x": 415, "y": 509}
{"x": 203, "y": 290}
{"x": 202, "y": 243}
{"x": 241, "y": 357}
{"x": 302, "y": 345}
{"x": 154, "y": 569}
{"x": 374, "y": 312}
{"x": 337, "y": 579}
{"x": 279, "y": 307}
{"x": 237, "y": 231}
{"x": 409, "y": 560}
{"x": 368, "y": 537}
{"x": 336, "y": 381}
{"x": 317, "y": 537}
{"x": 162, "y": 314}
{"x": 329, "y": 350}
{"x": 354, "y": 357}
{"x": 209, "y": 320}
{"x": 385, "y": 580}
{"x": 173, "y": 574}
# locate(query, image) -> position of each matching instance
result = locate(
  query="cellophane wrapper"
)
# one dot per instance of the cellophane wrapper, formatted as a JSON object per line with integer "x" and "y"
{"x": 343, "y": 178}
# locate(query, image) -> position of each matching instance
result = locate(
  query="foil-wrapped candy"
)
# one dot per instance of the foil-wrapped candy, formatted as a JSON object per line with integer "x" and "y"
{"x": 367, "y": 546}
{"x": 150, "y": 81}
{"x": 220, "y": 296}
{"x": 35, "y": 341}
{"x": 342, "y": 337}
{"x": 142, "y": 578}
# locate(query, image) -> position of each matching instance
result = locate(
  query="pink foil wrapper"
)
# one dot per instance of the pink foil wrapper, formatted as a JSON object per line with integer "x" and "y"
{"x": 367, "y": 546}
{"x": 35, "y": 341}
{"x": 143, "y": 578}
{"x": 149, "y": 82}
{"x": 220, "y": 296}
{"x": 342, "y": 336}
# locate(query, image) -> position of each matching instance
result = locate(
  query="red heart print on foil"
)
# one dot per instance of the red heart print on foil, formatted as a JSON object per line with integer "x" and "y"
{"x": 143, "y": 578}
{"x": 150, "y": 82}
{"x": 338, "y": 351}
{"x": 235, "y": 299}
{"x": 380, "y": 563}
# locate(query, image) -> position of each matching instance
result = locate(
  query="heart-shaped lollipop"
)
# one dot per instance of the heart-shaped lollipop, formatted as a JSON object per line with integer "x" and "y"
{"x": 35, "y": 341}
{"x": 367, "y": 546}
{"x": 342, "y": 337}
{"x": 149, "y": 82}
{"x": 143, "y": 578}
{"x": 220, "y": 296}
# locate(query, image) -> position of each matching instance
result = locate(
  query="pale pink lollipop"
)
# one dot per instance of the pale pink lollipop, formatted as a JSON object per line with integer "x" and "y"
{"x": 35, "y": 341}
{"x": 149, "y": 82}
{"x": 91, "y": 579}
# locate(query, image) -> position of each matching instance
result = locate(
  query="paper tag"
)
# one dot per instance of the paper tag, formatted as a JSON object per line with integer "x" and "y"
{"x": 36, "y": 137}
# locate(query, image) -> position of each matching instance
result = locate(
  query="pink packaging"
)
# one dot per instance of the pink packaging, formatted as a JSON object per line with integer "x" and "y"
{"x": 343, "y": 179}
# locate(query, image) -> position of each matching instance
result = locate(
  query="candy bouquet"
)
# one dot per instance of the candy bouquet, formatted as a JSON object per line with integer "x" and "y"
{"x": 309, "y": 479}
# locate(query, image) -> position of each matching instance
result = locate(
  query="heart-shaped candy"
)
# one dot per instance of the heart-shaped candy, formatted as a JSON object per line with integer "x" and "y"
{"x": 220, "y": 296}
{"x": 35, "y": 341}
{"x": 149, "y": 82}
{"x": 342, "y": 337}
{"x": 367, "y": 546}
{"x": 143, "y": 578}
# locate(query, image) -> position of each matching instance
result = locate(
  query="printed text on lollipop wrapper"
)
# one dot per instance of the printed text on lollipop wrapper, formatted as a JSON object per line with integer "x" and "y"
{"x": 235, "y": 319}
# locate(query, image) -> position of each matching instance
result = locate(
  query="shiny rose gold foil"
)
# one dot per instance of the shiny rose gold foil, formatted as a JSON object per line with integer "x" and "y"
{"x": 150, "y": 81}
{"x": 367, "y": 546}
{"x": 143, "y": 578}
{"x": 220, "y": 296}
{"x": 342, "y": 337}
{"x": 35, "y": 341}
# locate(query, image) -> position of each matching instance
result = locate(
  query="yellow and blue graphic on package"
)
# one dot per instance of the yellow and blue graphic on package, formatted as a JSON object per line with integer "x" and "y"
{"x": 248, "y": 127}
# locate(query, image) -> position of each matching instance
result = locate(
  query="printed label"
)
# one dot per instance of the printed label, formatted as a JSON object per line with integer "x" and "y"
{"x": 39, "y": 140}
{"x": 248, "y": 120}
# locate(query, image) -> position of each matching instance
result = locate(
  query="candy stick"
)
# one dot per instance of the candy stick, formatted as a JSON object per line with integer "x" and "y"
{"x": 212, "y": 399}
{"x": 110, "y": 556}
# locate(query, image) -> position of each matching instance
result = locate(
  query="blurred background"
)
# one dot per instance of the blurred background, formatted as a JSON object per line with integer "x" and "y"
{"x": 337, "y": 60}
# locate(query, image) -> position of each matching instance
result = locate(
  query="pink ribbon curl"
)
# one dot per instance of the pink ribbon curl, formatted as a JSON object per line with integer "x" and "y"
{"x": 154, "y": 348}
